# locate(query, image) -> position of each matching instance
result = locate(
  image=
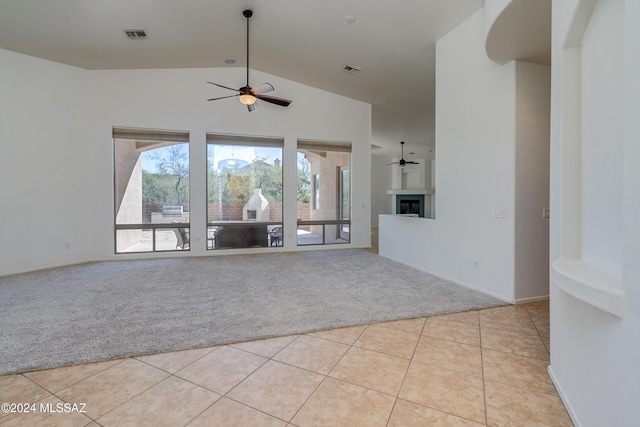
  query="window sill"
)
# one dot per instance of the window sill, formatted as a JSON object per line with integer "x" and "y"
{"x": 589, "y": 284}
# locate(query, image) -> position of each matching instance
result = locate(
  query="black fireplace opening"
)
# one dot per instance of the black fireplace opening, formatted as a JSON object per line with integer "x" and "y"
{"x": 410, "y": 207}
{"x": 410, "y": 204}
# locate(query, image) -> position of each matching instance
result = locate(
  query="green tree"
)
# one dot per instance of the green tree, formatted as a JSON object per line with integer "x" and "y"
{"x": 237, "y": 185}
{"x": 170, "y": 184}
{"x": 155, "y": 189}
{"x": 173, "y": 161}
{"x": 236, "y": 189}
{"x": 268, "y": 178}
{"x": 304, "y": 180}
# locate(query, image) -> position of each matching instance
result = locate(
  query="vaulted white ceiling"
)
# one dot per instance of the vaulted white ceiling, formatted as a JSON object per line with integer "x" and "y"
{"x": 302, "y": 40}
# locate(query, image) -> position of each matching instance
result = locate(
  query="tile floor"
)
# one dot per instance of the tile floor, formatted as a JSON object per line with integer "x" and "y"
{"x": 476, "y": 368}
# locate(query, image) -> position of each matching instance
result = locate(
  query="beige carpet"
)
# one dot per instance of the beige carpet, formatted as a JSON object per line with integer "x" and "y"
{"x": 108, "y": 310}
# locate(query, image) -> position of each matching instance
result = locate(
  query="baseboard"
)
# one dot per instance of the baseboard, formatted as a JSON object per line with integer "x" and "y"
{"x": 465, "y": 285}
{"x": 44, "y": 268}
{"x": 531, "y": 299}
{"x": 564, "y": 398}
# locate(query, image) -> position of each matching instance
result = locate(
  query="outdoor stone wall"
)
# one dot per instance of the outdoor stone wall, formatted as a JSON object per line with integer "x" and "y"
{"x": 150, "y": 208}
{"x": 230, "y": 212}
{"x": 233, "y": 212}
{"x": 304, "y": 211}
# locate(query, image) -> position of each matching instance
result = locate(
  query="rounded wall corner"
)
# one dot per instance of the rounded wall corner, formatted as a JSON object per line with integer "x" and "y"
{"x": 589, "y": 284}
{"x": 518, "y": 30}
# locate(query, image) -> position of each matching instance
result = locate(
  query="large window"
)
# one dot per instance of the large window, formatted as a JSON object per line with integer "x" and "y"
{"x": 324, "y": 199}
{"x": 244, "y": 192}
{"x": 151, "y": 180}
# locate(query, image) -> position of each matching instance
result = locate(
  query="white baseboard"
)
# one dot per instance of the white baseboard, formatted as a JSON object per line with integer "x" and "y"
{"x": 531, "y": 299}
{"x": 465, "y": 285}
{"x": 564, "y": 398}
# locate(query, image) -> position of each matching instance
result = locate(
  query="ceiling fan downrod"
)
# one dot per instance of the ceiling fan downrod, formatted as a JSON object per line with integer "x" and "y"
{"x": 247, "y": 94}
{"x": 248, "y": 13}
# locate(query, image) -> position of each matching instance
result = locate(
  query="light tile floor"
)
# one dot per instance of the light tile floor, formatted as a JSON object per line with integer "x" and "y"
{"x": 476, "y": 368}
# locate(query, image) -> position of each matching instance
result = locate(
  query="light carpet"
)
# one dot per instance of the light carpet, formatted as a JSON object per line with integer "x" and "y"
{"x": 108, "y": 310}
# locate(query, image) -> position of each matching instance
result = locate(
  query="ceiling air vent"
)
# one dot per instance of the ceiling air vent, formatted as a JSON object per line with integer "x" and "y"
{"x": 352, "y": 69}
{"x": 136, "y": 34}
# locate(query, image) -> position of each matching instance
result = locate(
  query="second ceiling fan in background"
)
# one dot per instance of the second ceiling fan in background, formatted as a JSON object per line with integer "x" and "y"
{"x": 249, "y": 95}
{"x": 402, "y": 161}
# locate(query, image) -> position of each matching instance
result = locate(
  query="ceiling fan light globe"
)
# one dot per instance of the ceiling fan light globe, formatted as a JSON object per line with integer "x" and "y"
{"x": 247, "y": 99}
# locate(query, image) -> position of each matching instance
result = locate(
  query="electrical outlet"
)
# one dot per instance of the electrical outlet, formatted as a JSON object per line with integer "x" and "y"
{"x": 498, "y": 213}
{"x": 545, "y": 213}
{"x": 476, "y": 264}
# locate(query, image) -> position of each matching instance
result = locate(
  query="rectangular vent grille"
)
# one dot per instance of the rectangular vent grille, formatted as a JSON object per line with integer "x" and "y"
{"x": 136, "y": 34}
{"x": 352, "y": 69}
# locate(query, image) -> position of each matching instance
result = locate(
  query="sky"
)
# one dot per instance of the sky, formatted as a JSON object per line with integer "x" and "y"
{"x": 217, "y": 153}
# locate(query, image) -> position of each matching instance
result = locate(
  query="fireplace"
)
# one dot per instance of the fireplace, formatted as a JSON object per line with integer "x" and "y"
{"x": 257, "y": 208}
{"x": 410, "y": 204}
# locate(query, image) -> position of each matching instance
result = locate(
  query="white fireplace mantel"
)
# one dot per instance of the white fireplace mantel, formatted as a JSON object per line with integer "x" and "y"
{"x": 411, "y": 191}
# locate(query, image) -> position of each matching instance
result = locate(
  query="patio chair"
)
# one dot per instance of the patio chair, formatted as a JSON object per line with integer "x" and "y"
{"x": 182, "y": 237}
{"x": 276, "y": 236}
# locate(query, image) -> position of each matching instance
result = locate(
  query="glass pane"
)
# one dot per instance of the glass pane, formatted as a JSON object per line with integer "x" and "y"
{"x": 244, "y": 194}
{"x": 172, "y": 239}
{"x": 135, "y": 240}
{"x": 323, "y": 193}
{"x": 151, "y": 187}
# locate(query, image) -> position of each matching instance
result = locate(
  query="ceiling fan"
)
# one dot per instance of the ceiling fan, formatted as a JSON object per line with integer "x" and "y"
{"x": 249, "y": 95}
{"x": 402, "y": 161}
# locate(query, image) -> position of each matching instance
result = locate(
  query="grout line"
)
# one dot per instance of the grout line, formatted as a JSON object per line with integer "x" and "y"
{"x": 54, "y": 394}
{"x": 327, "y": 375}
{"x": 225, "y": 395}
{"x": 324, "y": 379}
{"x": 213, "y": 348}
{"x": 544, "y": 342}
{"x": 406, "y": 372}
{"x": 484, "y": 385}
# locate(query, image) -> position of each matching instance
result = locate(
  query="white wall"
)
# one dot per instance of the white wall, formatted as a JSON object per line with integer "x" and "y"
{"x": 475, "y": 172}
{"x": 602, "y": 137}
{"x": 44, "y": 117}
{"x": 67, "y": 115}
{"x": 533, "y": 89}
{"x": 381, "y": 202}
{"x": 492, "y": 174}
{"x": 595, "y": 110}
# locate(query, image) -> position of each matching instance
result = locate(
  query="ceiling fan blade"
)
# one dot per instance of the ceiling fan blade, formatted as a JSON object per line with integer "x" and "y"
{"x": 262, "y": 88}
{"x": 274, "y": 100}
{"x": 223, "y": 97}
{"x": 410, "y": 162}
{"x": 223, "y": 86}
